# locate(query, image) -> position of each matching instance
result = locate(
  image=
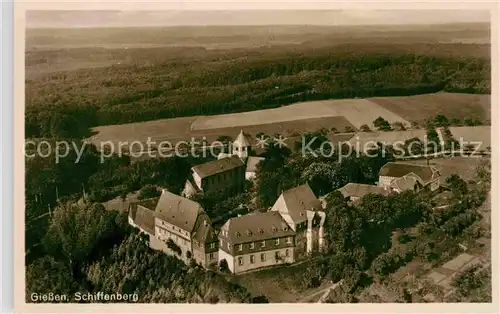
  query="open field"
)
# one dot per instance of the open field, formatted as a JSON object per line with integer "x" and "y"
{"x": 365, "y": 140}
{"x": 356, "y": 111}
{"x": 453, "y": 105}
{"x": 473, "y": 135}
{"x": 463, "y": 166}
{"x": 178, "y": 129}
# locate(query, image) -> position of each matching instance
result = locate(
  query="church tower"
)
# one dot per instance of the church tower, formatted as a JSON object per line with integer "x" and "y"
{"x": 241, "y": 146}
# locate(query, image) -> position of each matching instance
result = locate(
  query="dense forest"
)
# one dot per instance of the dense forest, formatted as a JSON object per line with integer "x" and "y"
{"x": 175, "y": 82}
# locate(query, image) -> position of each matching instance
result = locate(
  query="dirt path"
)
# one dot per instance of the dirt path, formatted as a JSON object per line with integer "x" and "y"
{"x": 322, "y": 292}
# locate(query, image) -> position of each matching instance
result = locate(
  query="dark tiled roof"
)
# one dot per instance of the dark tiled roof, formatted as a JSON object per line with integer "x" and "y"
{"x": 218, "y": 166}
{"x": 252, "y": 163}
{"x": 360, "y": 190}
{"x": 142, "y": 214}
{"x": 397, "y": 170}
{"x": 298, "y": 200}
{"x": 406, "y": 182}
{"x": 121, "y": 205}
{"x": 204, "y": 232}
{"x": 178, "y": 211}
{"x": 255, "y": 227}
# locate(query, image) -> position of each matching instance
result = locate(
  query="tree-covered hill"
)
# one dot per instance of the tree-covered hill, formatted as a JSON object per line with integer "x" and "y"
{"x": 165, "y": 82}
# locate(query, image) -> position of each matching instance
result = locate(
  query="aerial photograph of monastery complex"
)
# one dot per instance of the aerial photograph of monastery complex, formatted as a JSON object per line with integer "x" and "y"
{"x": 258, "y": 157}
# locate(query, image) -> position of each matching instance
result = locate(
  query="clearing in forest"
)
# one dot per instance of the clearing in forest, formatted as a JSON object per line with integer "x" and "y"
{"x": 356, "y": 111}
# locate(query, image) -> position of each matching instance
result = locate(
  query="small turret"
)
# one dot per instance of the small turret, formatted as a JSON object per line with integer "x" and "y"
{"x": 241, "y": 146}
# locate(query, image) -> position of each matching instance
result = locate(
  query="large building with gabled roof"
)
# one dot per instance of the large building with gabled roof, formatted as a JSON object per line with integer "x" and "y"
{"x": 303, "y": 212}
{"x": 216, "y": 175}
{"x": 256, "y": 240}
{"x": 355, "y": 191}
{"x": 405, "y": 176}
{"x": 171, "y": 217}
{"x": 290, "y": 231}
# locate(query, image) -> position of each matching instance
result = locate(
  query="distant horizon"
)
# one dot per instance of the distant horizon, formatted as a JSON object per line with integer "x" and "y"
{"x": 61, "y": 19}
{"x": 262, "y": 25}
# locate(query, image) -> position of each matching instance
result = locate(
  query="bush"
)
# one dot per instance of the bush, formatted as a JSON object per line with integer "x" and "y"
{"x": 223, "y": 266}
{"x": 174, "y": 247}
{"x": 471, "y": 278}
{"x": 382, "y": 124}
{"x": 148, "y": 191}
{"x": 365, "y": 128}
{"x": 260, "y": 299}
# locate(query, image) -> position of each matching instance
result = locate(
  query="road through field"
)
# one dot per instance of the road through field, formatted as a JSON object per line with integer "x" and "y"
{"x": 356, "y": 111}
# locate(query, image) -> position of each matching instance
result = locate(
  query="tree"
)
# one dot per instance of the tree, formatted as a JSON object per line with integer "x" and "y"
{"x": 223, "y": 267}
{"x": 148, "y": 191}
{"x": 457, "y": 185}
{"x": 441, "y": 121}
{"x": 75, "y": 230}
{"x": 365, "y": 128}
{"x": 349, "y": 129}
{"x": 260, "y": 299}
{"x": 48, "y": 274}
{"x": 414, "y": 147}
{"x": 382, "y": 124}
{"x": 468, "y": 280}
{"x": 398, "y": 126}
{"x": 322, "y": 177}
{"x": 456, "y": 122}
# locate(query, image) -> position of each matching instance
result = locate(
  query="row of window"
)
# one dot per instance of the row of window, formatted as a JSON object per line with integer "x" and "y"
{"x": 262, "y": 243}
{"x": 263, "y": 257}
{"x": 173, "y": 236}
{"x": 174, "y": 228}
{"x": 222, "y": 177}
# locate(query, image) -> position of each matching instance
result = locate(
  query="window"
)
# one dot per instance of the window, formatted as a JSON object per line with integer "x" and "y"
{"x": 277, "y": 242}
{"x": 212, "y": 255}
{"x": 263, "y": 257}
{"x": 252, "y": 246}
{"x": 221, "y": 243}
{"x": 240, "y": 261}
{"x": 287, "y": 253}
{"x": 240, "y": 247}
{"x": 277, "y": 255}
{"x": 289, "y": 240}
{"x": 252, "y": 259}
{"x": 263, "y": 244}
{"x": 212, "y": 245}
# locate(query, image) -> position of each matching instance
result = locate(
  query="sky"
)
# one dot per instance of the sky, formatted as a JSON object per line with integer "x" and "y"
{"x": 69, "y": 19}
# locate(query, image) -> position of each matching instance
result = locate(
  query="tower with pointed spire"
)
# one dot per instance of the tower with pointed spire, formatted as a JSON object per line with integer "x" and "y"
{"x": 241, "y": 146}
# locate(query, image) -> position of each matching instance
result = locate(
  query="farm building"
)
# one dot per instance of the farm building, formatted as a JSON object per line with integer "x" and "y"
{"x": 221, "y": 174}
{"x": 355, "y": 191}
{"x": 403, "y": 176}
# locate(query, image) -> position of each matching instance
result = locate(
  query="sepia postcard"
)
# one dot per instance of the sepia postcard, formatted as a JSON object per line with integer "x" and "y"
{"x": 297, "y": 159}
